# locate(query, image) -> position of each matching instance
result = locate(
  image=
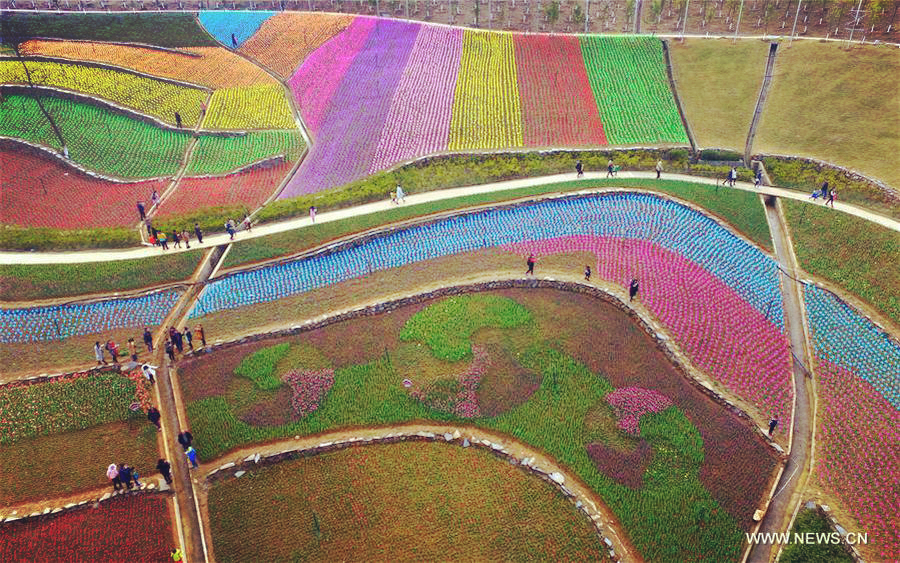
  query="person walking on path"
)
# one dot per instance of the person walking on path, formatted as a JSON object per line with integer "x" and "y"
{"x": 178, "y": 120}
{"x": 189, "y": 337}
{"x": 772, "y": 424}
{"x": 831, "y": 196}
{"x": 191, "y": 454}
{"x": 633, "y": 289}
{"x": 132, "y": 349}
{"x": 658, "y": 168}
{"x": 186, "y": 237}
{"x": 201, "y": 334}
{"x": 757, "y": 180}
{"x": 579, "y": 169}
{"x": 154, "y": 198}
{"x": 98, "y": 353}
{"x": 185, "y": 438}
{"x": 125, "y": 475}
{"x": 112, "y": 473}
{"x": 149, "y": 373}
{"x": 198, "y": 233}
{"x": 149, "y": 224}
{"x": 154, "y": 416}
{"x": 113, "y": 350}
{"x": 176, "y": 238}
{"x": 135, "y": 477}
{"x": 400, "y": 197}
{"x": 176, "y": 339}
{"x": 141, "y": 211}
{"x": 229, "y": 228}
{"x": 587, "y": 273}
{"x": 530, "y": 262}
{"x": 163, "y": 240}
{"x": 165, "y": 468}
{"x": 176, "y": 555}
{"x": 234, "y": 42}
{"x": 312, "y": 213}
{"x": 247, "y": 224}
{"x": 148, "y": 339}
{"x": 170, "y": 350}
{"x": 610, "y": 169}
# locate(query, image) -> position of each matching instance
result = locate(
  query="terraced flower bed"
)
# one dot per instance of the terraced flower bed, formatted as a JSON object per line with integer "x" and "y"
{"x": 39, "y": 191}
{"x": 261, "y": 106}
{"x": 213, "y": 67}
{"x": 284, "y": 40}
{"x": 217, "y": 154}
{"x": 379, "y": 364}
{"x": 146, "y": 95}
{"x": 858, "y": 434}
{"x": 450, "y": 504}
{"x": 132, "y": 528}
{"x": 98, "y": 139}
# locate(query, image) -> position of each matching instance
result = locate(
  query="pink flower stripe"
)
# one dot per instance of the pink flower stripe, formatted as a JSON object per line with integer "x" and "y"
{"x": 631, "y": 403}
{"x": 315, "y": 82}
{"x": 858, "y": 454}
{"x": 558, "y": 106}
{"x": 465, "y": 403}
{"x": 418, "y": 122}
{"x": 722, "y": 334}
{"x": 308, "y": 388}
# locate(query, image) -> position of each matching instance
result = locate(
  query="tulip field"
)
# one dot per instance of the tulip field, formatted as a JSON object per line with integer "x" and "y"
{"x": 39, "y": 191}
{"x": 858, "y": 433}
{"x": 553, "y": 417}
{"x": 145, "y": 95}
{"x": 213, "y": 67}
{"x": 286, "y": 39}
{"x": 218, "y": 154}
{"x": 262, "y": 106}
{"x": 134, "y": 528}
{"x": 56, "y": 322}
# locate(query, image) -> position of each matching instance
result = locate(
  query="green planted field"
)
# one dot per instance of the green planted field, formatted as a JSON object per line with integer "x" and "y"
{"x": 98, "y": 139}
{"x": 628, "y": 77}
{"x": 411, "y": 501}
{"x": 516, "y": 381}
{"x": 214, "y": 154}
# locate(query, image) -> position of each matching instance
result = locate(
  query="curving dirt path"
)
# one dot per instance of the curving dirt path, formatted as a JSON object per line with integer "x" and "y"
{"x": 592, "y": 504}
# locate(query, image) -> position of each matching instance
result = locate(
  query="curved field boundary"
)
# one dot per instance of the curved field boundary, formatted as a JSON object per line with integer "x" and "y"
{"x": 77, "y": 502}
{"x": 173, "y": 50}
{"x": 687, "y": 126}
{"x": 504, "y": 447}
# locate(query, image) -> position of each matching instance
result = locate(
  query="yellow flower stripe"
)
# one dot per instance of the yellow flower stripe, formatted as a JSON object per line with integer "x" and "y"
{"x": 286, "y": 39}
{"x": 252, "y": 107}
{"x": 145, "y": 95}
{"x": 487, "y": 113}
{"x": 215, "y": 67}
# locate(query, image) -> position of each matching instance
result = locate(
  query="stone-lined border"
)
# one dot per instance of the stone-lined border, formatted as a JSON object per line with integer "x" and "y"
{"x": 44, "y": 377}
{"x": 76, "y": 300}
{"x": 662, "y": 341}
{"x": 825, "y": 511}
{"x": 49, "y": 513}
{"x": 672, "y": 86}
{"x": 892, "y": 194}
{"x": 554, "y": 478}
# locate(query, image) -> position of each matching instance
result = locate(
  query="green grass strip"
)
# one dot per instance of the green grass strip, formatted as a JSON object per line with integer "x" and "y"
{"x": 29, "y": 282}
{"x": 98, "y": 139}
{"x": 629, "y": 81}
{"x": 854, "y": 254}
{"x": 219, "y": 154}
{"x": 740, "y": 209}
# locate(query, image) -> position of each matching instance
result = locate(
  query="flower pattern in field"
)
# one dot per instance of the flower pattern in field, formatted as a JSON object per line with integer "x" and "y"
{"x": 463, "y": 402}
{"x": 724, "y": 335}
{"x": 308, "y": 388}
{"x": 352, "y": 123}
{"x": 631, "y": 403}
{"x": 550, "y": 68}
{"x": 419, "y": 119}
{"x": 858, "y": 433}
{"x": 241, "y": 24}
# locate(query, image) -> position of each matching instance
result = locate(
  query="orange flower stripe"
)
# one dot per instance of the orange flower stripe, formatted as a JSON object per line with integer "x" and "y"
{"x": 286, "y": 39}
{"x": 215, "y": 67}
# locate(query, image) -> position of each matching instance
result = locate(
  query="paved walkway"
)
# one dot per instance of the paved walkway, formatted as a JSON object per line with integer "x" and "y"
{"x": 217, "y": 239}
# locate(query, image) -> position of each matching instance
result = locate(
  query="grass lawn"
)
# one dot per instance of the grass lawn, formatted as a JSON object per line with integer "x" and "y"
{"x": 854, "y": 254}
{"x": 412, "y": 501}
{"x": 45, "y": 281}
{"x": 836, "y": 105}
{"x": 813, "y": 521}
{"x": 673, "y": 513}
{"x": 740, "y": 209}
{"x": 718, "y": 83}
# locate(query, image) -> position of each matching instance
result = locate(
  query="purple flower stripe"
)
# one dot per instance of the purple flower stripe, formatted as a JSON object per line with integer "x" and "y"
{"x": 631, "y": 403}
{"x": 418, "y": 122}
{"x": 353, "y": 121}
{"x": 317, "y": 79}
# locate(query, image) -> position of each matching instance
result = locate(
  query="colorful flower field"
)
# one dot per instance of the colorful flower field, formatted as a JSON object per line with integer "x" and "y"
{"x": 213, "y": 67}
{"x": 56, "y": 322}
{"x": 37, "y": 190}
{"x": 858, "y": 433}
{"x": 218, "y": 154}
{"x": 286, "y": 39}
{"x": 145, "y": 95}
{"x": 262, "y": 106}
{"x": 631, "y": 403}
{"x": 407, "y": 90}
{"x": 98, "y": 139}
{"x": 240, "y": 24}
{"x": 308, "y": 388}
{"x": 136, "y": 528}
